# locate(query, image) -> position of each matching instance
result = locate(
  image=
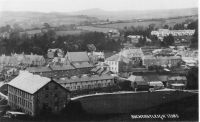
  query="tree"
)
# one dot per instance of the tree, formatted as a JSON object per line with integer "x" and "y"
{"x": 167, "y": 41}
{"x": 46, "y": 25}
{"x": 166, "y": 27}
{"x": 192, "y": 78}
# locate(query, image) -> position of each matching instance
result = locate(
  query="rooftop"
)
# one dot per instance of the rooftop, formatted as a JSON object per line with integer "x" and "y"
{"x": 28, "y": 82}
{"x": 77, "y": 56}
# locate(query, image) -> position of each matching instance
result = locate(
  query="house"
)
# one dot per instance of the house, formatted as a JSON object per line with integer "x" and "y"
{"x": 151, "y": 60}
{"x": 51, "y": 53}
{"x": 134, "y": 39}
{"x": 180, "y": 80}
{"x": 33, "y": 94}
{"x": 77, "y": 57}
{"x": 166, "y": 32}
{"x": 116, "y": 63}
{"x": 62, "y": 70}
{"x": 86, "y": 82}
{"x": 154, "y": 81}
{"x": 135, "y": 55}
{"x": 138, "y": 83}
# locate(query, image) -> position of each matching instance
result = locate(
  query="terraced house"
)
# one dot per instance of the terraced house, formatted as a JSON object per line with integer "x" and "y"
{"x": 34, "y": 94}
{"x": 87, "y": 82}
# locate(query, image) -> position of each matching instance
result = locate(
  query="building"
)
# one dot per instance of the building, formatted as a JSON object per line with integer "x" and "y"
{"x": 33, "y": 94}
{"x": 86, "y": 82}
{"x": 77, "y": 57}
{"x": 138, "y": 83}
{"x": 56, "y": 71}
{"x": 177, "y": 81}
{"x": 22, "y": 59}
{"x": 166, "y": 32}
{"x": 134, "y": 39}
{"x": 43, "y": 71}
{"x": 151, "y": 60}
{"x": 116, "y": 63}
{"x": 51, "y": 53}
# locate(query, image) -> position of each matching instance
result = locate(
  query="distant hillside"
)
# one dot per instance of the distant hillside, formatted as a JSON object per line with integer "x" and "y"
{"x": 128, "y": 15}
{"x": 36, "y": 19}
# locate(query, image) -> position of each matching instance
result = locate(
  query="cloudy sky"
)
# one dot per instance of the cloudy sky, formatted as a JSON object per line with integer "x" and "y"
{"x": 76, "y": 5}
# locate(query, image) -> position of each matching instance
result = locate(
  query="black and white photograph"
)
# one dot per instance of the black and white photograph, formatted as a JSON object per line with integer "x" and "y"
{"x": 99, "y": 61}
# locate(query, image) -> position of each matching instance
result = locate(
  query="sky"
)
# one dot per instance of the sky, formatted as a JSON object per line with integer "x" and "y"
{"x": 77, "y": 5}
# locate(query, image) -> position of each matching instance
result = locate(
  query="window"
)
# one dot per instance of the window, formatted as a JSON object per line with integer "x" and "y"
{"x": 55, "y": 95}
{"x": 46, "y": 95}
{"x": 56, "y": 87}
{"x": 46, "y": 88}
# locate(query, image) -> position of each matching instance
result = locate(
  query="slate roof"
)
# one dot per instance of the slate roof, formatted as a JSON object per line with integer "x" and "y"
{"x": 163, "y": 77}
{"x": 117, "y": 57}
{"x": 150, "y": 78}
{"x": 82, "y": 65}
{"x": 77, "y": 56}
{"x": 134, "y": 78}
{"x": 63, "y": 67}
{"x": 85, "y": 78}
{"x": 28, "y": 82}
{"x": 38, "y": 69}
{"x": 177, "y": 78}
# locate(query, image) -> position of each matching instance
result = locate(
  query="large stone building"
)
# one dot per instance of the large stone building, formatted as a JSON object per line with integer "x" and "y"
{"x": 151, "y": 60}
{"x": 166, "y": 32}
{"x": 34, "y": 94}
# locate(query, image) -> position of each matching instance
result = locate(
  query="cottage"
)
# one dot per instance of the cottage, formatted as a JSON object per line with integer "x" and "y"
{"x": 77, "y": 57}
{"x": 33, "y": 94}
{"x": 138, "y": 83}
{"x": 181, "y": 80}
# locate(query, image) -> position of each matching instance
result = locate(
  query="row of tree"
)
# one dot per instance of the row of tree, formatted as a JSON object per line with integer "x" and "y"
{"x": 39, "y": 44}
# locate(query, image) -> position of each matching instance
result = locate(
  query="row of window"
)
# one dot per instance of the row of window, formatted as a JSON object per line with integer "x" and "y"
{"x": 18, "y": 107}
{"x": 21, "y": 102}
{"x": 20, "y": 93}
{"x": 112, "y": 63}
{"x": 79, "y": 87}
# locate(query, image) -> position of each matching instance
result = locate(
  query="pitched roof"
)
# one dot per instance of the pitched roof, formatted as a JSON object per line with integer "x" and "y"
{"x": 28, "y": 82}
{"x": 163, "y": 77}
{"x": 63, "y": 67}
{"x": 77, "y": 56}
{"x": 38, "y": 69}
{"x": 134, "y": 78}
{"x": 178, "y": 78}
{"x": 150, "y": 78}
{"x": 129, "y": 53}
{"x": 85, "y": 78}
{"x": 118, "y": 57}
{"x": 82, "y": 65}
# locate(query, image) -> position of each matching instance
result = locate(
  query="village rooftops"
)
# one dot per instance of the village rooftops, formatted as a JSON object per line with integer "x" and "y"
{"x": 38, "y": 69}
{"x": 84, "y": 78}
{"x": 118, "y": 57}
{"x": 62, "y": 67}
{"x": 77, "y": 57}
{"x": 28, "y": 82}
{"x": 131, "y": 53}
{"x": 177, "y": 78}
{"x": 82, "y": 65}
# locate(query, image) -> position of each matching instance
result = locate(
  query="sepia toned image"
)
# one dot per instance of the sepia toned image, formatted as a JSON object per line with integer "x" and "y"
{"x": 99, "y": 60}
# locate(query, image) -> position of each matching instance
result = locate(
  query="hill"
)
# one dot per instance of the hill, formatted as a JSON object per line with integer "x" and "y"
{"x": 132, "y": 14}
{"x": 36, "y": 19}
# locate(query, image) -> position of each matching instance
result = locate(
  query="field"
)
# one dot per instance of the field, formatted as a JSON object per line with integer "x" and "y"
{"x": 64, "y": 33}
{"x": 146, "y": 23}
{"x": 93, "y": 28}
